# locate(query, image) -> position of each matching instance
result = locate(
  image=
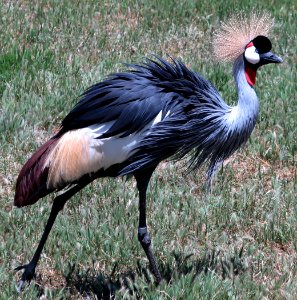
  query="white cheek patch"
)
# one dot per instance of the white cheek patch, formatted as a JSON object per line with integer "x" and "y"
{"x": 251, "y": 55}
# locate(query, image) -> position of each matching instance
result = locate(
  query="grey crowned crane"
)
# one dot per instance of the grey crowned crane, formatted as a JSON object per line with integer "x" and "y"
{"x": 130, "y": 122}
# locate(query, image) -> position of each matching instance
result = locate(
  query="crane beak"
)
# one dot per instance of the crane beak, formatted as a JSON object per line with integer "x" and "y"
{"x": 269, "y": 58}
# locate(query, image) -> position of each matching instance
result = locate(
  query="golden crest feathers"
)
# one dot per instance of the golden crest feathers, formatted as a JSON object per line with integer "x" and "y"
{"x": 230, "y": 40}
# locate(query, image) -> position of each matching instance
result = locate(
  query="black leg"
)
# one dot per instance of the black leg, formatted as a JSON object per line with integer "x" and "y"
{"x": 59, "y": 202}
{"x": 144, "y": 238}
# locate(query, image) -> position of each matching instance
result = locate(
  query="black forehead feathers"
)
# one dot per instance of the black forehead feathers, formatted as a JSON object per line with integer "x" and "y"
{"x": 262, "y": 44}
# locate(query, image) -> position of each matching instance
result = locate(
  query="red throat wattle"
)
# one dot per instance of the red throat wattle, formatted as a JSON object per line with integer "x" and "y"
{"x": 250, "y": 75}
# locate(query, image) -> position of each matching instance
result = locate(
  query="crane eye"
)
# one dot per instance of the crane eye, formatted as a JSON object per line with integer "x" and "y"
{"x": 251, "y": 55}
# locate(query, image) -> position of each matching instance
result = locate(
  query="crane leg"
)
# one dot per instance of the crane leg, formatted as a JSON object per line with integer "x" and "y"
{"x": 58, "y": 204}
{"x": 144, "y": 238}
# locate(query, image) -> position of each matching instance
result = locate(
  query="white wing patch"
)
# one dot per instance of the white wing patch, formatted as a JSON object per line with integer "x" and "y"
{"x": 81, "y": 152}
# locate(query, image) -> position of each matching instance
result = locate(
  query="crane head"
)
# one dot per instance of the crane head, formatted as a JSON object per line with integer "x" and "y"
{"x": 234, "y": 37}
{"x": 245, "y": 36}
{"x": 257, "y": 53}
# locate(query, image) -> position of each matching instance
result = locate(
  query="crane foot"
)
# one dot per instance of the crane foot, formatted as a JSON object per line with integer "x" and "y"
{"x": 28, "y": 275}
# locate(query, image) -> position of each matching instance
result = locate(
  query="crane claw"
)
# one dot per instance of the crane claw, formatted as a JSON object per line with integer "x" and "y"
{"x": 20, "y": 286}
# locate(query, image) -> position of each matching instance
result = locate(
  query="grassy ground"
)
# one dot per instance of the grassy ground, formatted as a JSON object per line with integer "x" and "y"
{"x": 238, "y": 243}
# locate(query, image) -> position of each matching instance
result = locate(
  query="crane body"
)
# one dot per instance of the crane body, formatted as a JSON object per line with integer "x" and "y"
{"x": 133, "y": 120}
{"x": 188, "y": 113}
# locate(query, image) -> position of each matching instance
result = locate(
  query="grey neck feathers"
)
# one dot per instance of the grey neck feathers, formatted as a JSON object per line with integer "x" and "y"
{"x": 243, "y": 116}
{"x": 239, "y": 121}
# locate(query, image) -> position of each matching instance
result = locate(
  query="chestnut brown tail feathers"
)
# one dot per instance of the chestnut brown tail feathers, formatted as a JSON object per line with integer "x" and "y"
{"x": 31, "y": 183}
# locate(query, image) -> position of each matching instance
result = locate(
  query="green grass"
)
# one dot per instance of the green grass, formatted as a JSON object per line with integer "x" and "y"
{"x": 240, "y": 242}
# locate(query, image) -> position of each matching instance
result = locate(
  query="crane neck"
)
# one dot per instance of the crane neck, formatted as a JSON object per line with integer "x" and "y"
{"x": 247, "y": 108}
{"x": 247, "y": 97}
